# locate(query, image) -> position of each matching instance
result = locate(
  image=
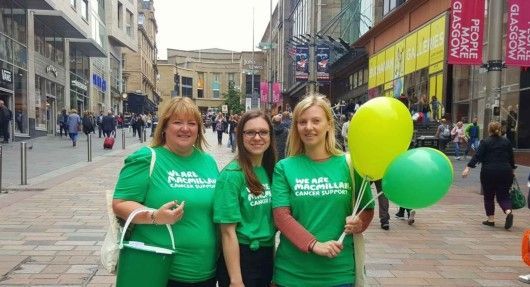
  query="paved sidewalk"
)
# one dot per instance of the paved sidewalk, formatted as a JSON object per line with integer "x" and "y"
{"x": 51, "y": 232}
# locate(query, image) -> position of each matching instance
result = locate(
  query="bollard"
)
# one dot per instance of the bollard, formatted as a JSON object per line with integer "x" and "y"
{"x": 145, "y": 135}
{"x": 23, "y": 164}
{"x": 89, "y": 147}
{"x": 122, "y": 138}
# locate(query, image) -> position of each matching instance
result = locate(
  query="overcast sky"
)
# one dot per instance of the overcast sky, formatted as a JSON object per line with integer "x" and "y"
{"x": 204, "y": 24}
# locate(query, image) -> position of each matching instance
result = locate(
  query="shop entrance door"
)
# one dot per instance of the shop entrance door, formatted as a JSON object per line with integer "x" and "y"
{"x": 7, "y": 98}
{"x": 51, "y": 116}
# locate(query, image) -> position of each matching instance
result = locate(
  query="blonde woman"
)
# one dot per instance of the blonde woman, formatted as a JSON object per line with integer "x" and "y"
{"x": 312, "y": 196}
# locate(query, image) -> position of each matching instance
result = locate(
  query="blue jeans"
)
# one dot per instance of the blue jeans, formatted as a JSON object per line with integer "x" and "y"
{"x": 458, "y": 153}
{"x": 73, "y": 136}
{"x": 472, "y": 144}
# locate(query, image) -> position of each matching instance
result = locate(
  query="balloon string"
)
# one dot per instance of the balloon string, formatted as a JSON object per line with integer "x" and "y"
{"x": 357, "y": 204}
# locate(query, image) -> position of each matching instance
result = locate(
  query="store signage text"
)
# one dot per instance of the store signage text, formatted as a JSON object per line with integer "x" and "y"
{"x": 76, "y": 83}
{"x": 466, "y": 32}
{"x": 51, "y": 69}
{"x": 518, "y": 33}
{"x": 99, "y": 82}
{"x": 7, "y": 76}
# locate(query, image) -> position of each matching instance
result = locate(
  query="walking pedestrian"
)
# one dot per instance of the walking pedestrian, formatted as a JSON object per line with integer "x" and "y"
{"x": 5, "y": 117}
{"x": 472, "y": 133}
{"x": 435, "y": 108}
{"x": 458, "y": 135}
{"x": 443, "y": 134}
{"x": 88, "y": 126}
{"x": 180, "y": 189}
{"x": 108, "y": 124}
{"x": 243, "y": 208}
{"x": 220, "y": 127}
{"x": 384, "y": 217}
{"x": 280, "y": 135}
{"x": 74, "y": 126}
{"x": 63, "y": 123}
{"x": 312, "y": 194}
{"x": 99, "y": 120}
{"x": 496, "y": 175}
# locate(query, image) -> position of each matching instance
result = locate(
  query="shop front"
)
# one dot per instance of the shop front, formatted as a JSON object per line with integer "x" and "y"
{"x": 413, "y": 66}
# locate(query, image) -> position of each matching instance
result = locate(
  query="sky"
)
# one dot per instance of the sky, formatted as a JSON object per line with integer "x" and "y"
{"x": 205, "y": 24}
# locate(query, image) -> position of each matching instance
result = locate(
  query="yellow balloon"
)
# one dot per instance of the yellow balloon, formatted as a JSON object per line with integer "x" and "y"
{"x": 379, "y": 131}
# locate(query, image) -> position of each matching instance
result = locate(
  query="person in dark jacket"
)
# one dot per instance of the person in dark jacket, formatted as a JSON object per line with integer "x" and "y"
{"x": 496, "y": 175}
{"x": 5, "y": 117}
{"x": 63, "y": 123}
{"x": 108, "y": 124}
{"x": 88, "y": 123}
{"x": 280, "y": 134}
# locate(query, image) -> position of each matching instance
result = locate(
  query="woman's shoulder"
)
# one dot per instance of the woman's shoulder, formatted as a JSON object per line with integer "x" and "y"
{"x": 142, "y": 154}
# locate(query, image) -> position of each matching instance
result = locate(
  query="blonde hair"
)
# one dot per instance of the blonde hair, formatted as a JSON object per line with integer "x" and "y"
{"x": 495, "y": 129}
{"x": 295, "y": 144}
{"x": 183, "y": 106}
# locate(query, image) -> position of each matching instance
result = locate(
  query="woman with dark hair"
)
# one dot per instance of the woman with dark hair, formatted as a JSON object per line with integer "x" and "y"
{"x": 497, "y": 172}
{"x": 243, "y": 208}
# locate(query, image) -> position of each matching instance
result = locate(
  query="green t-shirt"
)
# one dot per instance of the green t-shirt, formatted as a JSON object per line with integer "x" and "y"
{"x": 191, "y": 179}
{"x": 319, "y": 195}
{"x": 234, "y": 203}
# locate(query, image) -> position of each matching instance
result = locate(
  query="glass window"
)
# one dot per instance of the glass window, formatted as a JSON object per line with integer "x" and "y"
{"x": 19, "y": 53}
{"x": 5, "y": 17}
{"x": 72, "y": 3}
{"x": 19, "y": 23}
{"x": 84, "y": 9}
{"x": 6, "y": 75}
{"x": 6, "y": 50}
{"x": 120, "y": 15}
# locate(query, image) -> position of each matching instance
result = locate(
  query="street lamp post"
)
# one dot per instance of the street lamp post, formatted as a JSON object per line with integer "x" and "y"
{"x": 124, "y": 98}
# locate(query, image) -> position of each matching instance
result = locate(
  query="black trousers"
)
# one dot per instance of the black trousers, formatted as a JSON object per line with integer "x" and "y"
{"x": 5, "y": 130}
{"x": 496, "y": 184}
{"x": 256, "y": 267}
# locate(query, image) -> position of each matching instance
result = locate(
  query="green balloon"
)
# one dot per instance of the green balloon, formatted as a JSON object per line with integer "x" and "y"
{"x": 418, "y": 178}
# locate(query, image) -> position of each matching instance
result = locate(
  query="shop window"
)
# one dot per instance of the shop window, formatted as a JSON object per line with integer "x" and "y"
{"x": 21, "y": 93}
{"x": 5, "y": 17}
{"x": 6, "y": 50}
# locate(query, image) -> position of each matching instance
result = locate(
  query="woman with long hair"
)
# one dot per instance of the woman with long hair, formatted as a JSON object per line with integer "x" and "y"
{"x": 243, "y": 208}
{"x": 312, "y": 194}
{"x": 496, "y": 174}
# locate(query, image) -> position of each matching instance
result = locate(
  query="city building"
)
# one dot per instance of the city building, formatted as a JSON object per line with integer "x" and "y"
{"x": 140, "y": 72}
{"x": 204, "y": 75}
{"x": 45, "y": 50}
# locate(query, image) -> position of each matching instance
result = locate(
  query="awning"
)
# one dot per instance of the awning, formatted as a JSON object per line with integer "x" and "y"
{"x": 35, "y": 4}
{"x": 89, "y": 47}
{"x": 59, "y": 22}
{"x": 346, "y": 60}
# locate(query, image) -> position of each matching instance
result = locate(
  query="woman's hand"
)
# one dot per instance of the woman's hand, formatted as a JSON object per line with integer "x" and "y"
{"x": 354, "y": 224}
{"x": 329, "y": 249}
{"x": 169, "y": 213}
{"x": 465, "y": 173}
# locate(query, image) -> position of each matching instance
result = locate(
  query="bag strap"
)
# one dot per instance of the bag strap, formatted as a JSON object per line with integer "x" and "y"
{"x": 153, "y": 160}
{"x": 130, "y": 219}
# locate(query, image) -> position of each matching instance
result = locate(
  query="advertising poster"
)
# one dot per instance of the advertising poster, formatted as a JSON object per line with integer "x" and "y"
{"x": 276, "y": 92}
{"x": 302, "y": 63}
{"x": 518, "y": 33}
{"x": 264, "y": 91}
{"x": 322, "y": 63}
{"x": 466, "y": 29}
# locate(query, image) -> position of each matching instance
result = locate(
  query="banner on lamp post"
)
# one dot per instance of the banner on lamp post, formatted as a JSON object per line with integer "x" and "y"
{"x": 264, "y": 91}
{"x": 302, "y": 63}
{"x": 518, "y": 33}
{"x": 322, "y": 63}
{"x": 466, "y": 32}
{"x": 276, "y": 92}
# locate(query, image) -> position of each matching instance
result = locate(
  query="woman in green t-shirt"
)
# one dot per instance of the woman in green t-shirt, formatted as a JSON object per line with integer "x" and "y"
{"x": 243, "y": 207}
{"x": 180, "y": 188}
{"x": 311, "y": 198}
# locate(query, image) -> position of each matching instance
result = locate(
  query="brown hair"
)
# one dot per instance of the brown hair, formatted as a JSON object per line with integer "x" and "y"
{"x": 495, "y": 129}
{"x": 243, "y": 157}
{"x": 181, "y": 106}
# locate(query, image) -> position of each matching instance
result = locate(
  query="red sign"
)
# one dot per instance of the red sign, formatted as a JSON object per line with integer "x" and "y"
{"x": 518, "y": 33}
{"x": 264, "y": 91}
{"x": 466, "y": 32}
{"x": 276, "y": 92}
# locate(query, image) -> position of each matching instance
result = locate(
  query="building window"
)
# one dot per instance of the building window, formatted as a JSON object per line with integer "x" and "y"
{"x": 120, "y": 15}
{"x": 129, "y": 23}
{"x": 187, "y": 87}
{"x": 73, "y": 3}
{"x": 84, "y": 9}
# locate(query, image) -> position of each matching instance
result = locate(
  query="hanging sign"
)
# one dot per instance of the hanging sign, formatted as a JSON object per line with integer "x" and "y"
{"x": 466, "y": 32}
{"x": 518, "y": 33}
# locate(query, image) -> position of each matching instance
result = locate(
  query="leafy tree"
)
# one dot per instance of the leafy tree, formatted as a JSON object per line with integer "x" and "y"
{"x": 233, "y": 100}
